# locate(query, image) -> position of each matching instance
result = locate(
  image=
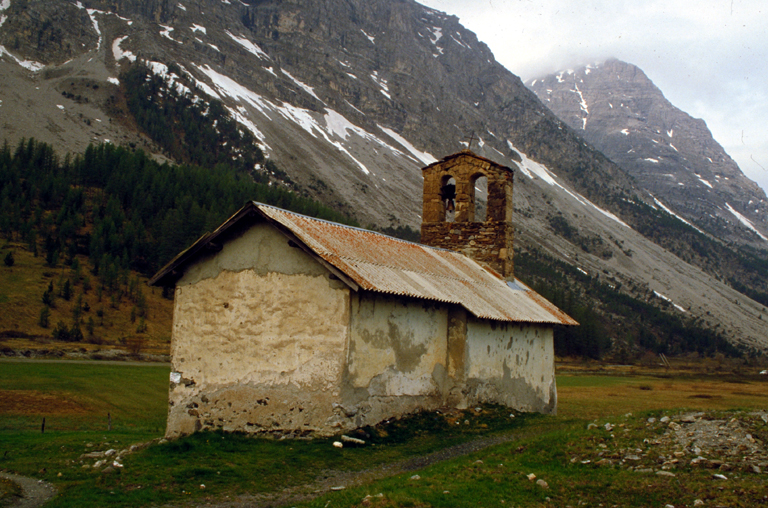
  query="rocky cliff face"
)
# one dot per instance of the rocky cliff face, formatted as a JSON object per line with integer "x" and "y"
{"x": 614, "y": 106}
{"x": 351, "y": 98}
{"x": 370, "y": 84}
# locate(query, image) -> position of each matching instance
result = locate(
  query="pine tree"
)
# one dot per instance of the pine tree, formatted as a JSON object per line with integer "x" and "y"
{"x": 45, "y": 317}
{"x": 66, "y": 290}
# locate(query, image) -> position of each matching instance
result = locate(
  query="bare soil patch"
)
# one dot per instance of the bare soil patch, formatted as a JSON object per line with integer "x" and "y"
{"x": 33, "y": 402}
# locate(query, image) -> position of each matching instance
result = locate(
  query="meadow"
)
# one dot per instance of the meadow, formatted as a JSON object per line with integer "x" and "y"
{"x": 484, "y": 456}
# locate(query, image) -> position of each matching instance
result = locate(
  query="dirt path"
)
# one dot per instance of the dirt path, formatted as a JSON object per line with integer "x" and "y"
{"x": 35, "y": 492}
{"x": 333, "y": 479}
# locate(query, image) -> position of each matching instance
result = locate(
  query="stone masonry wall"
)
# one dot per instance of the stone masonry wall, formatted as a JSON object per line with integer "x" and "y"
{"x": 489, "y": 242}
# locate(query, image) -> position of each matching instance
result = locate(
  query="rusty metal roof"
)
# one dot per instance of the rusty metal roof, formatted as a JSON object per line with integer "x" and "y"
{"x": 380, "y": 263}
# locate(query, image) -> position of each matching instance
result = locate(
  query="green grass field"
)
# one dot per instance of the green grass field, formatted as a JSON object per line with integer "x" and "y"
{"x": 75, "y": 400}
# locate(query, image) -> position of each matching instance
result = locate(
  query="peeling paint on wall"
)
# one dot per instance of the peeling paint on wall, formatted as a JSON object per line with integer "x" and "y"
{"x": 512, "y": 364}
{"x": 265, "y": 339}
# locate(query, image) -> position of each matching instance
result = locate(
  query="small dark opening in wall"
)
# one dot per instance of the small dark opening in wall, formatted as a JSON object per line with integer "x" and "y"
{"x": 448, "y": 195}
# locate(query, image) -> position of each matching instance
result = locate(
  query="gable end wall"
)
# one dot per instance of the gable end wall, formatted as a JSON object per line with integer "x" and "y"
{"x": 259, "y": 340}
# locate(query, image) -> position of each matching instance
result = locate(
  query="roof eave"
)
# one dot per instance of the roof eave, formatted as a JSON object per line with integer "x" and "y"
{"x": 169, "y": 273}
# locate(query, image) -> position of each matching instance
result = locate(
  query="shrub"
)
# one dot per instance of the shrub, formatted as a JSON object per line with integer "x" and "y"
{"x": 45, "y": 317}
{"x": 61, "y": 332}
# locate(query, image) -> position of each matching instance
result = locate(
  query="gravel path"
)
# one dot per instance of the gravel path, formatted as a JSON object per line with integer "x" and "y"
{"x": 332, "y": 480}
{"x": 35, "y": 492}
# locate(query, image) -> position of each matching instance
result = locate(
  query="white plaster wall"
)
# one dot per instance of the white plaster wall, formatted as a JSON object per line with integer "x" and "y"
{"x": 512, "y": 364}
{"x": 260, "y": 248}
{"x": 397, "y": 356}
{"x": 273, "y": 329}
{"x": 254, "y": 349}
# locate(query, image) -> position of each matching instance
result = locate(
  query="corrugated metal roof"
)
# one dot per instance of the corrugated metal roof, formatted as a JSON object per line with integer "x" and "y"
{"x": 380, "y": 263}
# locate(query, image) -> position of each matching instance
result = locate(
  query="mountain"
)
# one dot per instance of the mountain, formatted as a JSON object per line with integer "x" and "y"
{"x": 348, "y": 99}
{"x": 614, "y": 106}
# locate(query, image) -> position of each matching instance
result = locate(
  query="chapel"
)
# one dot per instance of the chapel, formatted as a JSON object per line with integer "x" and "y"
{"x": 286, "y": 323}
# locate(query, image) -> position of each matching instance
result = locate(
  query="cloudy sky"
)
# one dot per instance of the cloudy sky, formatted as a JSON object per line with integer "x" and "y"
{"x": 708, "y": 57}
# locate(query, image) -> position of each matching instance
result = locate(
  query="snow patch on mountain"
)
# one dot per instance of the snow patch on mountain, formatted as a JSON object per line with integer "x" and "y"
{"x": 704, "y": 181}
{"x": 4, "y": 4}
{"x": 424, "y": 157}
{"x": 666, "y": 299}
{"x": 332, "y": 127}
{"x": 166, "y": 32}
{"x": 30, "y": 65}
{"x": 249, "y": 46}
{"x": 303, "y": 86}
{"x": 460, "y": 42}
{"x": 437, "y": 34}
{"x": 745, "y": 221}
{"x": 370, "y": 37}
{"x": 119, "y": 53}
{"x": 533, "y": 169}
{"x": 382, "y": 83}
{"x": 338, "y": 125}
{"x": 162, "y": 70}
{"x": 224, "y": 86}
{"x": 583, "y": 104}
{"x": 673, "y": 214}
{"x": 92, "y": 14}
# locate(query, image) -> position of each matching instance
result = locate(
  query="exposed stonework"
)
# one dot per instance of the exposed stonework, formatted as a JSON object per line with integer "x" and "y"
{"x": 489, "y": 241}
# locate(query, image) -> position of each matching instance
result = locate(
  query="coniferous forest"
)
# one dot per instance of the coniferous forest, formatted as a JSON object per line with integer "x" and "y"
{"x": 120, "y": 208}
{"x": 126, "y": 212}
{"x": 123, "y": 211}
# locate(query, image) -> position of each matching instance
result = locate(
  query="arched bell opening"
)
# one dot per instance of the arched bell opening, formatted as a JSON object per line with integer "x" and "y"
{"x": 478, "y": 199}
{"x": 448, "y": 198}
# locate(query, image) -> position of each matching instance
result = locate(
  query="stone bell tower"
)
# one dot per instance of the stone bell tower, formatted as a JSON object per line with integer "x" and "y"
{"x": 449, "y": 220}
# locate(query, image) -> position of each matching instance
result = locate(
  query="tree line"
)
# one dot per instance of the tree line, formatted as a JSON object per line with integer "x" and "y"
{"x": 188, "y": 128}
{"x": 606, "y": 314}
{"x": 120, "y": 208}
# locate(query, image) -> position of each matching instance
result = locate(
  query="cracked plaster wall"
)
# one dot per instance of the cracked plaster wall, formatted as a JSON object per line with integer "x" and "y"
{"x": 512, "y": 364}
{"x": 264, "y": 340}
{"x": 259, "y": 339}
{"x": 396, "y": 359}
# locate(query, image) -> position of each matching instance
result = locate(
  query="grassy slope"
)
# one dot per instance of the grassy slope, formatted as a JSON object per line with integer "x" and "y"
{"x": 21, "y": 289}
{"x": 228, "y": 464}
